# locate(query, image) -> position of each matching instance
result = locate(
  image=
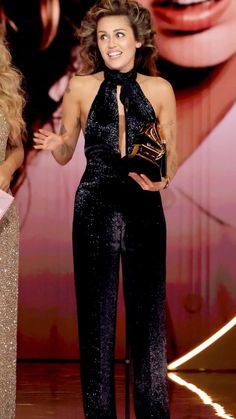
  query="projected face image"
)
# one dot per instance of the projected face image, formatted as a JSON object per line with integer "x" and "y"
{"x": 194, "y": 33}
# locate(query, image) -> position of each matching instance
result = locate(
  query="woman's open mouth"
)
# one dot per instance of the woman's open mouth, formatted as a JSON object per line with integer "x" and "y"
{"x": 188, "y": 15}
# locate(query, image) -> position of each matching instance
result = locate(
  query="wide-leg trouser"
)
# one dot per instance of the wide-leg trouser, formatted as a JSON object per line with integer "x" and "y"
{"x": 133, "y": 229}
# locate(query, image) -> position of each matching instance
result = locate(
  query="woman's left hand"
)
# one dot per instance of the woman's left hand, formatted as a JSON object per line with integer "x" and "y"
{"x": 5, "y": 177}
{"x": 147, "y": 184}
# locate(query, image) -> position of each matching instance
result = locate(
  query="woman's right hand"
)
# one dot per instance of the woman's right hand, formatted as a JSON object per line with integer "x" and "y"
{"x": 47, "y": 140}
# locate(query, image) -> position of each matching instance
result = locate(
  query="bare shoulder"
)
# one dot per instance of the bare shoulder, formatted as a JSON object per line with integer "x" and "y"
{"x": 159, "y": 92}
{"x": 82, "y": 87}
{"x": 85, "y": 82}
{"x": 156, "y": 84}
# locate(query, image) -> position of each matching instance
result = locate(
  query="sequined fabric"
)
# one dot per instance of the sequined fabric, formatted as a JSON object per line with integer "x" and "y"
{"x": 9, "y": 237}
{"x": 114, "y": 218}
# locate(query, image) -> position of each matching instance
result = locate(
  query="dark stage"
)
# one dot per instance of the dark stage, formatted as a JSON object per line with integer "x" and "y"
{"x": 52, "y": 390}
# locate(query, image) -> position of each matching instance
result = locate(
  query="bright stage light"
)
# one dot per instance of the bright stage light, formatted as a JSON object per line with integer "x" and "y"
{"x": 202, "y": 346}
{"x": 220, "y": 411}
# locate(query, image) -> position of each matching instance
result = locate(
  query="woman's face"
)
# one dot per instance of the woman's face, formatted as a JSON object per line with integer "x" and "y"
{"x": 116, "y": 42}
{"x": 194, "y": 33}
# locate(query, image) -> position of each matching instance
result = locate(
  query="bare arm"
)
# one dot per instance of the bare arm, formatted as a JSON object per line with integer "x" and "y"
{"x": 167, "y": 117}
{"x": 63, "y": 145}
{"x": 14, "y": 159}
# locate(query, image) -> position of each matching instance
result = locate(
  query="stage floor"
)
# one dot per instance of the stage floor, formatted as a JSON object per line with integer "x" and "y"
{"x": 52, "y": 390}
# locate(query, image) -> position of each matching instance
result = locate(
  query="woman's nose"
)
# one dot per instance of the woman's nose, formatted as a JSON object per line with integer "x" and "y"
{"x": 111, "y": 42}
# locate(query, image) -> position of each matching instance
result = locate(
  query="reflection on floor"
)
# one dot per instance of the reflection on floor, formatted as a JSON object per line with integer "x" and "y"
{"x": 52, "y": 390}
{"x": 203, "y": 395}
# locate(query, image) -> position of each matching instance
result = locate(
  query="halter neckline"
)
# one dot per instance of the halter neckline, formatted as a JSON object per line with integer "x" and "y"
{"x": 118, "y": 78}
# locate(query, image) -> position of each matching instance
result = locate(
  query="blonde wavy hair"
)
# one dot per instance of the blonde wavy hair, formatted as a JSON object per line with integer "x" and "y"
{"x": 141, "y": 24}
{"x": 11, "y": 95}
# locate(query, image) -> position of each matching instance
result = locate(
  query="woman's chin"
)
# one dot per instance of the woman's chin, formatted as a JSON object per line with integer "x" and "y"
{"x": 209, "y": 44}
{"x": 204, "y": 49}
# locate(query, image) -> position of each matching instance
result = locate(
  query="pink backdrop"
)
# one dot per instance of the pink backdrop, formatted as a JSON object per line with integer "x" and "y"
{"x": 201, "y": 220}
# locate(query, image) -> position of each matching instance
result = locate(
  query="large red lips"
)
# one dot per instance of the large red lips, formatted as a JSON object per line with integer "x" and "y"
{"x": 189, "y": 17}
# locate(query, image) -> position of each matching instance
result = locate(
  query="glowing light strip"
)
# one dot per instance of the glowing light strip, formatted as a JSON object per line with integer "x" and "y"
{"x": 203, "y": 345}
{"x": 220, "y": 411}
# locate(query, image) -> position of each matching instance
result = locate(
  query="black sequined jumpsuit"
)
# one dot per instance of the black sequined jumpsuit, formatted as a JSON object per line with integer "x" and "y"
{"x": 114, "y": 218}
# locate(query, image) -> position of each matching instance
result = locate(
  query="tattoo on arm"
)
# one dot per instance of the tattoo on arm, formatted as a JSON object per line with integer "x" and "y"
{"x": 173, "y": 166}
{"x": 168, "y": 133}
{"x": 168, "y": 124}
{"x": 62, "y": 130}
{"x": 170, "y": 137}
{"x": 63, "y": 150}
{"x": 68, "y": 89}
{"x": 66, "y": 150}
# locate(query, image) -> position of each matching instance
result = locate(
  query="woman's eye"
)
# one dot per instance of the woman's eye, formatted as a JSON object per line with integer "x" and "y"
{"x": 120, "y": 34}
{"x": 103, "y": 36}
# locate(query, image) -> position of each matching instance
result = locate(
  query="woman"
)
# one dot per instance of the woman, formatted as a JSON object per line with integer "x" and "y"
{"x": 11, "y": 158}
{"x": 118, "y": 215}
